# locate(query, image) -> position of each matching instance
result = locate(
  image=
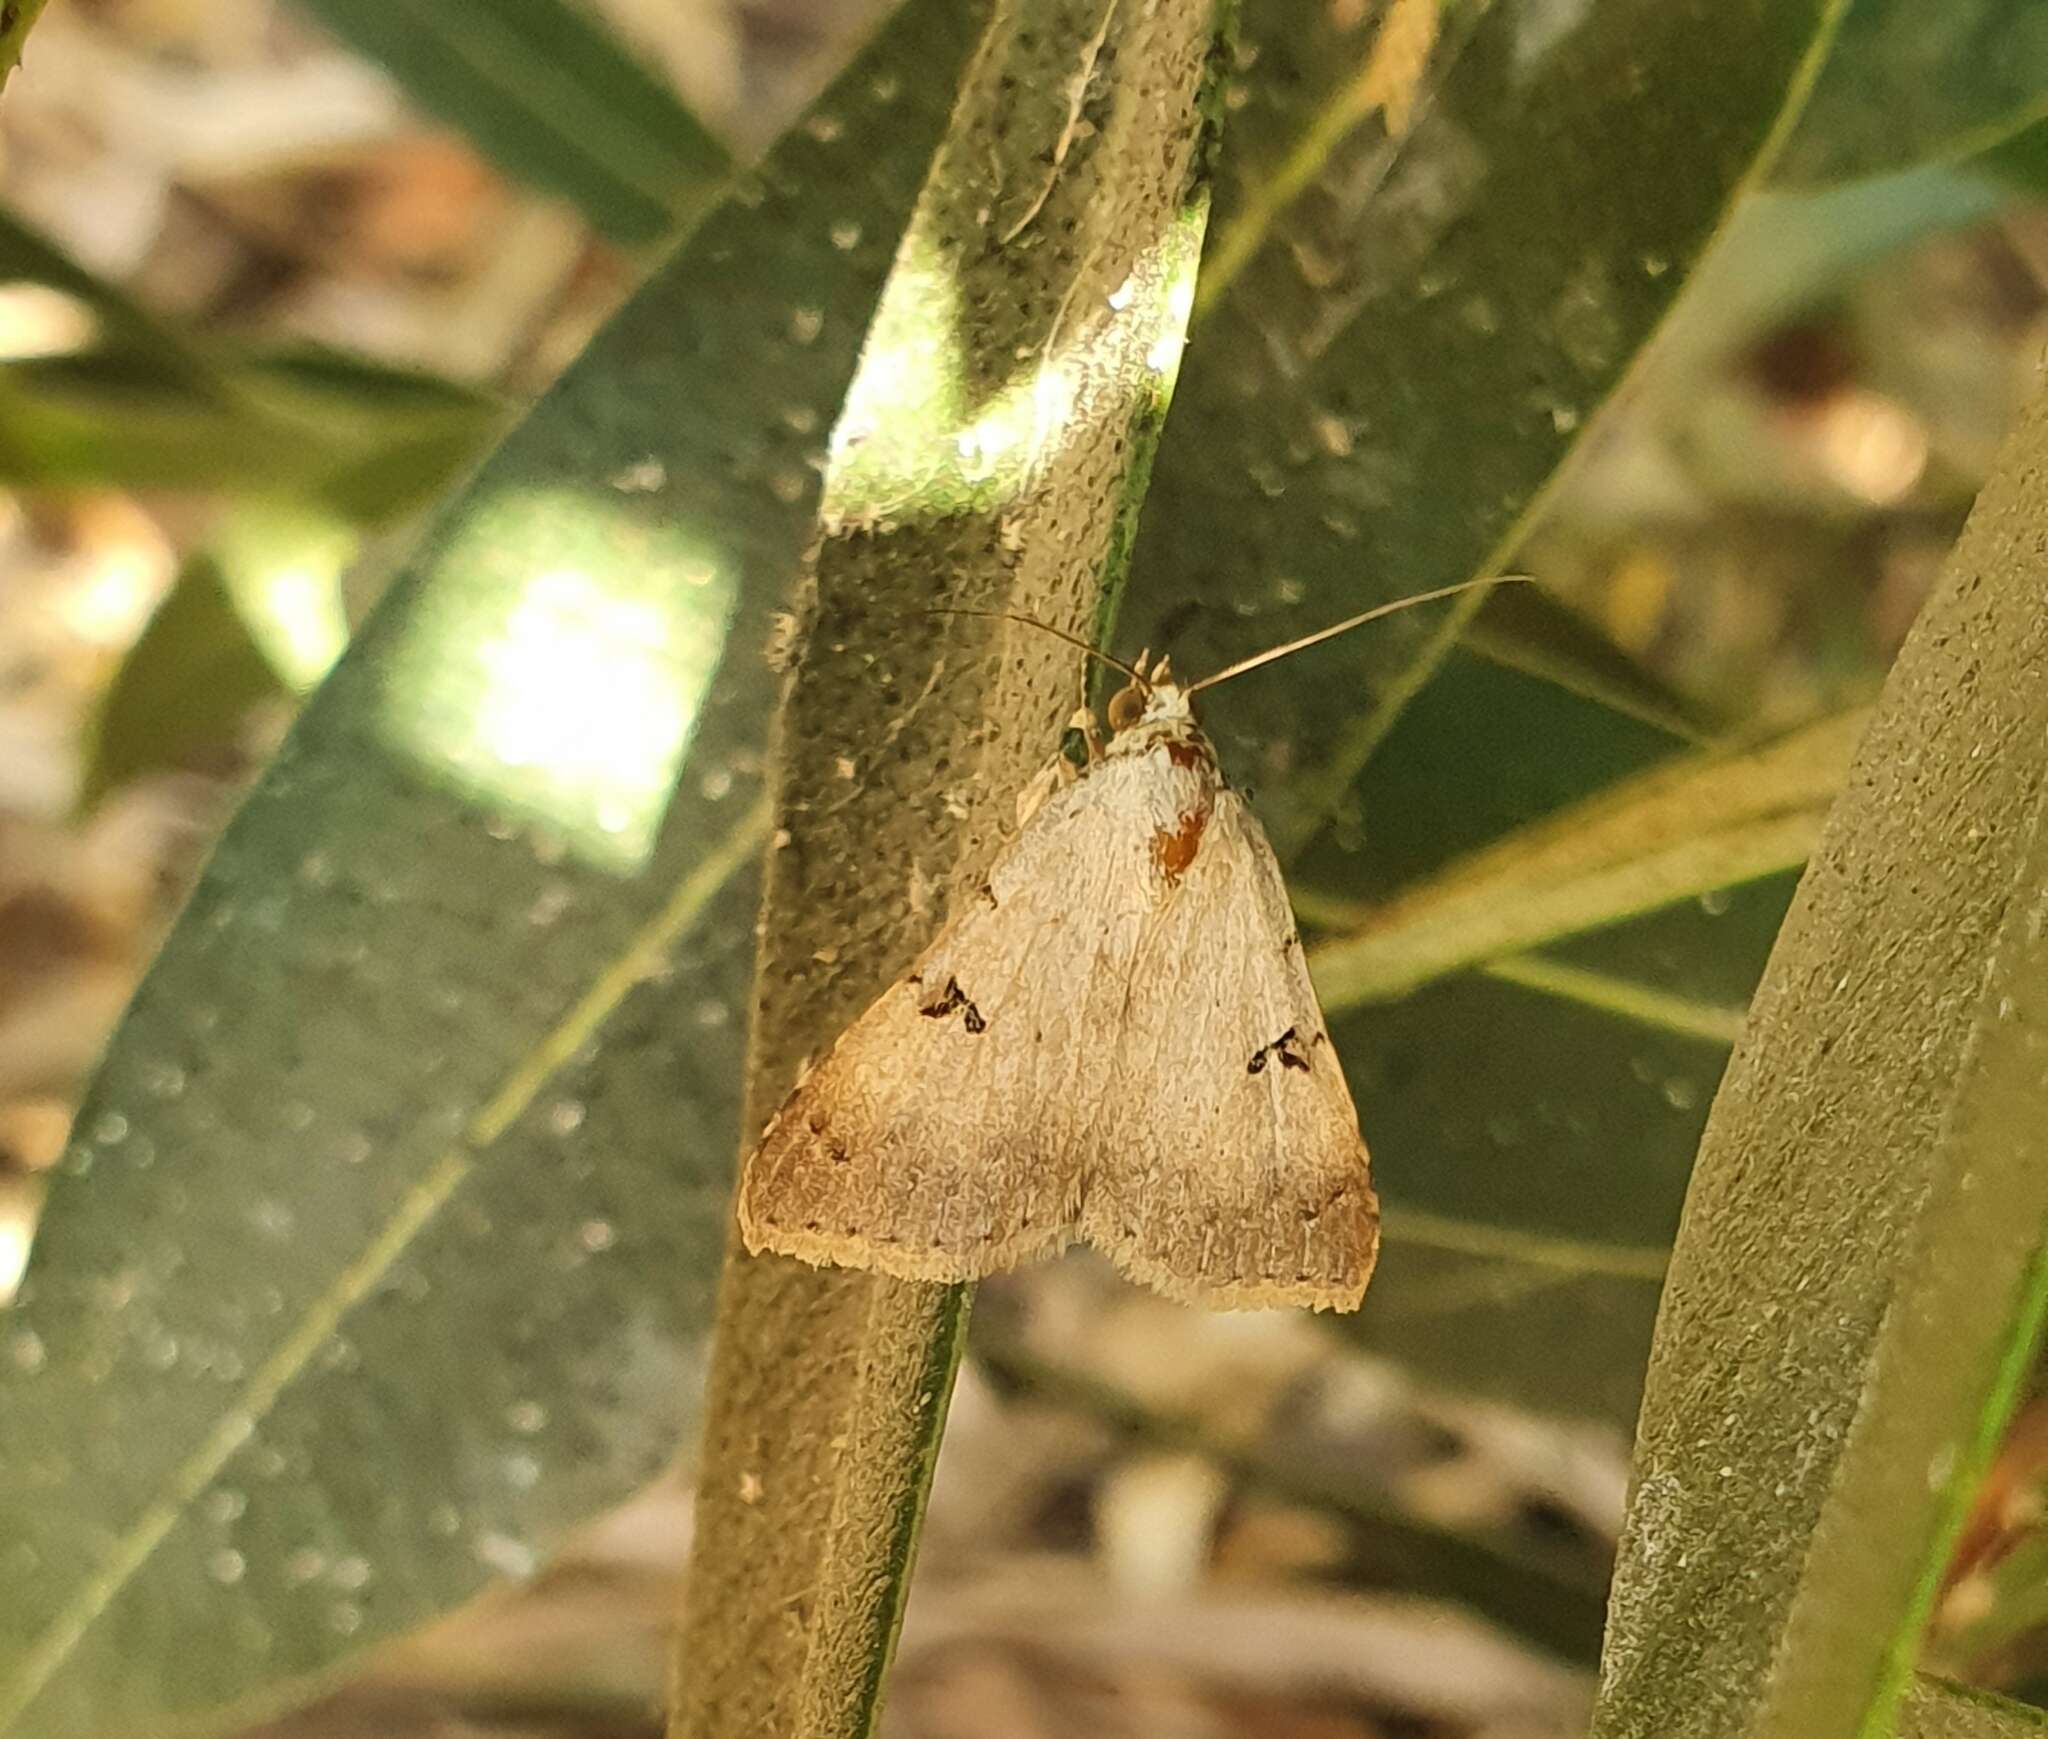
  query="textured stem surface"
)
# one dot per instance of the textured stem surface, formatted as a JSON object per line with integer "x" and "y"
{"x": 1859, "y": 1280}
{"x": 992, "y": 454}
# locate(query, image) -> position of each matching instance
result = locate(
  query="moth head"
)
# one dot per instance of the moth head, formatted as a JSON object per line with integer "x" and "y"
{"x": 1149, "y": 694}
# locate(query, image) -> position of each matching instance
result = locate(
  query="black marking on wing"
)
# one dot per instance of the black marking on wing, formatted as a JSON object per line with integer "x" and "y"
{"x": 1286, "y": 1050}
{"x": 955, "y": 998}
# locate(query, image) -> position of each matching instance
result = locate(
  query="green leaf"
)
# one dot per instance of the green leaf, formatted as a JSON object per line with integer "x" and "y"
{"x": 104, "y": 321}
{"x": 80, "y": 427}
{"x": 384, "y": 1250}
{"x": 15, "y": 21}
{"x": 125, "y": 400}
{"x": 1934, "y": 1709}
{"x": 184, "y": 688}
{"x": 1910, "y": 83}
{"x": 1531, "y": 1140}
{"x": 1680, "y": 830}
{"x": 1861, "y": 1274}
{"x": 543, "y": 90}
{"x": 1526, "y": 630}
{"x": 255, "y": 615}
{"x": 2019, "y": 158}
{"x": 1437, "y": 248}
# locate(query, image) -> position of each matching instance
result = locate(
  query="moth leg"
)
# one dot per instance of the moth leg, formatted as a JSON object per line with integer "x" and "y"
{"x": 1084, "y": 722}
{"x": 1059, "y": 772}
{"x": 1053, "y": 776}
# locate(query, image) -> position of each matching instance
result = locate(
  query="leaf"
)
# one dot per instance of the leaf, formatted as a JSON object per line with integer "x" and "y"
{"x": 1438, "y": 246}
{"x": 1682, "y": 829}
{"x": 255, "y": 615}
{"x": 1861, "y": 1274}
{"x": 2019, "y": 158}
{"x": 1525, "y": 629}
{"x": 120, "y": 398}
{"x": 362, "y": 441}
{"x": 405, "y": 1176}
{"x": 990, "y": 458}
{"x": 1934, "y": 1709}
{"x": 105, "y": 321}
{"x": 184, "y": 688}
{"x": 14, "y": 28}
{"x": 1910, "y": 83}
{"x": 1531, "y": 1143}
{"x": 543, "y": 90}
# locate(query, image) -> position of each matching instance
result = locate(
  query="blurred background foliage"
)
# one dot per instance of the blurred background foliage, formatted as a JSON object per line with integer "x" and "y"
{"x": 274, "y": 277}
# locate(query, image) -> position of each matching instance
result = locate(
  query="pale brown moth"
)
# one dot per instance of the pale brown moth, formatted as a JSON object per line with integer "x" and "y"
{"x": 1114, "y": 1041}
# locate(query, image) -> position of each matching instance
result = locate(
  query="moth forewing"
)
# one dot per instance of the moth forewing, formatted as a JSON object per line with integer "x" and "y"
{"x": 1114, "y": 1038}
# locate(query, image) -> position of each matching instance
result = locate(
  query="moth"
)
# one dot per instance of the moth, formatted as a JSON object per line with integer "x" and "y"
{"x": 1115, "y": 1041}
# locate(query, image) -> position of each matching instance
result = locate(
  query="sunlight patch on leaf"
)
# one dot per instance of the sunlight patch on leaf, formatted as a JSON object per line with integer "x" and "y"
{"x": 913, "y": 446}
{"x": 564, "y": 685}
{"x": 282, "y": 564}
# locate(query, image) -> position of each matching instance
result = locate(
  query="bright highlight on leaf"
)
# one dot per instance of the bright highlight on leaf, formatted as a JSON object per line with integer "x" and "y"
{"x": 553, "y": 693}
{"x": 914, "y": 442}
{"x": 283, "y": 565}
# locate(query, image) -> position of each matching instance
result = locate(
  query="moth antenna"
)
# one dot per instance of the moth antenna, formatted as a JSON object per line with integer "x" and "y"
{"x": 1045, "y": 628}
{"x": 1349, "y": 623}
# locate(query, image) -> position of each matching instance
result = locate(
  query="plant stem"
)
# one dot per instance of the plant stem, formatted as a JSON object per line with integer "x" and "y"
{"x": 991, "y": 455}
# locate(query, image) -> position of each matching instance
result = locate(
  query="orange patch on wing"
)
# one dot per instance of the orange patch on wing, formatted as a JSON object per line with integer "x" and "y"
{"x": 1174, "y": 851}
{"x": 1185, "y": 754}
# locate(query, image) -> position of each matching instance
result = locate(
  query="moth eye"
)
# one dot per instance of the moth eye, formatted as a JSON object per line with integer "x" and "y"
{"x": 1126, "y": 707}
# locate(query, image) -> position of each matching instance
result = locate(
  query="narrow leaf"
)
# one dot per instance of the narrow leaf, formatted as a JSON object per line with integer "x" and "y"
{"x": 1442, "y": 234}
{"x": 544, "y": 90}
{"x": 1910, "y": 83}
{"x": 1935, "y": 1709}
{"x": 184, "y": 688}
{"x": 1531, "y": 1111}
{"x": 255, "y": 615}
{"x": 120, "y": 398}
{"x": 1859, "y": 1279}
{"x": 1687, "y": 828}
{"x": 1713, "y": 1023}
{"x": 383, "y": 1251}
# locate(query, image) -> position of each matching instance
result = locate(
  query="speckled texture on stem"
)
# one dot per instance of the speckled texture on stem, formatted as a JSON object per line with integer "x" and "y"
{"x": 1068, "y": 182}
{"x": 1859, "y": 1277}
